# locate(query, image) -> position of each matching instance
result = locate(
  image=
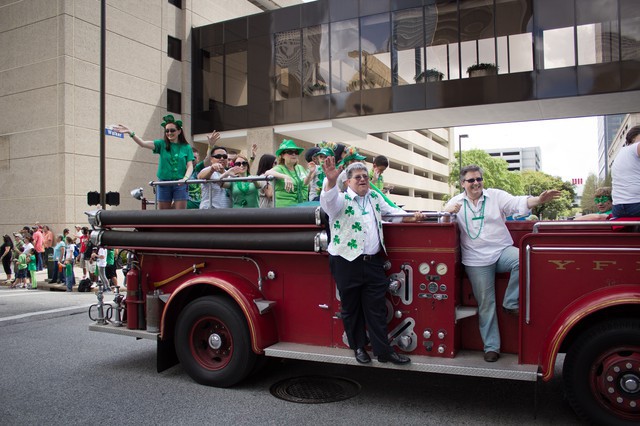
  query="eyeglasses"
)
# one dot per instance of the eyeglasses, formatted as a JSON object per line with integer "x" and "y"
{"x": 241, "y": 163}
{"x": 472, "y": 180}
{"x": 360, "y": 177}
{"x": 289, "y": 152}
{"x": 601, "y": 200}
{"x": 170, "y": 130}
{"x": 219, "y": 156}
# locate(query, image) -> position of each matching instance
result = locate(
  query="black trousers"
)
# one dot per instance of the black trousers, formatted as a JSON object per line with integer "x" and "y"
{"x": 362, "y": 284}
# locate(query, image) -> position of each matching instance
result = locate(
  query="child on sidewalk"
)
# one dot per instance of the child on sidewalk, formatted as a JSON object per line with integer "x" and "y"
{"x": 33, "y": 266}
{"x": 69, "y": 260}
{"x": 21, "y": 270}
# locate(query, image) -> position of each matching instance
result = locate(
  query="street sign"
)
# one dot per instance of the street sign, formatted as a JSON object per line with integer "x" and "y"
{"x": 110, "y": 132}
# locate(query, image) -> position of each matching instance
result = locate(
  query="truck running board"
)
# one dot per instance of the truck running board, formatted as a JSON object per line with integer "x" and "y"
{"x": 466, "y": 363}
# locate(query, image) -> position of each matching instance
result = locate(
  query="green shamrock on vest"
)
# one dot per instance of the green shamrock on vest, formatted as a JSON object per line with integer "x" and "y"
{"x": 373, "y": 194}
{"x": 336, "y": 225}
{"x": 378, "y": 208}
{"x": 349, "y": 211}
{"x": 357, "y": 226}
{"x": 352, "y": 244}
{"x": 347, "y": 197}
{"x": 336, "y": 240}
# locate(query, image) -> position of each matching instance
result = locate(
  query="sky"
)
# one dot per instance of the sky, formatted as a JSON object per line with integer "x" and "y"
{"x": 568, "y": 147}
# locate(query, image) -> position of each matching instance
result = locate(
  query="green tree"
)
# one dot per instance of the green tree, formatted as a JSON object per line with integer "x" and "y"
{"x": 536, "y": 182}
{"x": 588, "y": 192}
{"x": 496, "y": 172}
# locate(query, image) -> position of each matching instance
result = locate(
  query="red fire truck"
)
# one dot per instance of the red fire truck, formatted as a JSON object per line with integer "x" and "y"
{"x": 221, "y": 289}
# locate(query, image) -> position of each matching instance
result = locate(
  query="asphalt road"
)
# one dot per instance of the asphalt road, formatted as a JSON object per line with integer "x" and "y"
{"x": 54, "y": 371}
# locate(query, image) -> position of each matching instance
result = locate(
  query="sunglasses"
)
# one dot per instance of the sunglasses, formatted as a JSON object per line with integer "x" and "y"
{"x": 170, "y": 130}
{"x": 241, "y": 163}
{"x": 472, "y": 180}
{"x": 219, "y": 156}
{"x": 289, "y": 152}
{"x": 360, "y": 177}
{"x": 601, "y": 200}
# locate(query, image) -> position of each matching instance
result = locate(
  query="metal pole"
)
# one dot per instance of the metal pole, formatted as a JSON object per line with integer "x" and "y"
{"x": 103, "y": 49}
{"x": 460, "y": 151}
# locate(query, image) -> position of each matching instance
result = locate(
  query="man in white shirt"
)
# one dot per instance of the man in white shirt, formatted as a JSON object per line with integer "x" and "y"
{"x": 356, "y": 259}
{"x": 487, "y": 247}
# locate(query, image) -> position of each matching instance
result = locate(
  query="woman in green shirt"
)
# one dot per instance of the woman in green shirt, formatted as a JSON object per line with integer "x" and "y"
{"x": 175, "y": 164}
{"x": 292, "y": 180}
{"x": 243, "y": 194}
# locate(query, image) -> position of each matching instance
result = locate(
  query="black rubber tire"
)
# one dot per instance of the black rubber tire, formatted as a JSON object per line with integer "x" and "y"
{"x": 222, "y": 365}
{"x": 593, "y": 370}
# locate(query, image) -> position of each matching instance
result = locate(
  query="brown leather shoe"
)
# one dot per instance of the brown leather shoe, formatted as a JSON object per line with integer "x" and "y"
{"x": 491, "y": 356}
{"x": 513, "y": 312}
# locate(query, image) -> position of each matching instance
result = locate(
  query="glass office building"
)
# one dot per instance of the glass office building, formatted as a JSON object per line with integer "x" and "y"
{"x": 333, "y": 59}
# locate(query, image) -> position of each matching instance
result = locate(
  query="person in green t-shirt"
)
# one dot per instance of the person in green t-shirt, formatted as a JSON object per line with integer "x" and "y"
{"x": 32, "y": 269}
{"x": 21, "y": 273}
{"x": 243, "y": 194}
{"x": 380, "y": 164}
{"x": 175, "y": 163}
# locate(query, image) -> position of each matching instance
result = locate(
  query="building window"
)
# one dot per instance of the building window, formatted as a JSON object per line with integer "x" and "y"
{"x": 174, "y": 101}
{"x": 174, "y": 48}
{"x": 176, "y": 3}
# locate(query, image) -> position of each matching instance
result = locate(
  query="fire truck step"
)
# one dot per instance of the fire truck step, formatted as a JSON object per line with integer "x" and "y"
{"x": 123, "y": 331}
{"x": 466, "y": 363}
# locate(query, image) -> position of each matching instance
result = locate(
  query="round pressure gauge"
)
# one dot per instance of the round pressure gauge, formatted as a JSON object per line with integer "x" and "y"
{"x": 424, "y": 268}
{"x": 441, "y": 269}
{"x": 433, "y": 287}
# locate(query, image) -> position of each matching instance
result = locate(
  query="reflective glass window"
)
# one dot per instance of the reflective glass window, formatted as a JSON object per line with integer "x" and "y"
{"x": 288, "y": 64}
{"x": 559, "y": 48}
{"x": 514, "y": 22}
{"x": 375, "y": 59}
{"x": 315, "y": 60}
{"x": 235, "y": 73}
{"x": 212, "y": 76}
{"x": 630, "y": 29}
{"x": 408, "y": 45}
{"x": 477, "y": 43}
{"x": 597, "y": 31}
{"x": 345, "y": 58}
{"x": 515, "y": 53}
{"x": 441, "y": 33}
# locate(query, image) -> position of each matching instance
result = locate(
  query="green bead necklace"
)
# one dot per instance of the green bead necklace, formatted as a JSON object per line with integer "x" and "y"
{"x": 475, "y": 217}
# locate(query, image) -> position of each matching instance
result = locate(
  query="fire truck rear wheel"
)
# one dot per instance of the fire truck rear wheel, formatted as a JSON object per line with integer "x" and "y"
{"x": 212, "y": 342}
{"x": 601, "y": 373}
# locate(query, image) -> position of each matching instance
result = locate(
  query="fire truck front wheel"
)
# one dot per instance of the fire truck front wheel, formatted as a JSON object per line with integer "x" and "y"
{"x": 212, "y": 342}
{"x": 601, "y": 373}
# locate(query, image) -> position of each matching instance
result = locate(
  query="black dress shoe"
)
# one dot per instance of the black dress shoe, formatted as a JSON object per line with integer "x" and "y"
{"x": 394, "y": 358}
{"x": 513, "y": 312}
{"x": 491, "y": 356}
{"x": 362, "y": 356}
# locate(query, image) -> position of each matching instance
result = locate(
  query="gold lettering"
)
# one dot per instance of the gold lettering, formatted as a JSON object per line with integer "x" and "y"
{"x": 600, "y": 263}
{"x": 560, "y": 264}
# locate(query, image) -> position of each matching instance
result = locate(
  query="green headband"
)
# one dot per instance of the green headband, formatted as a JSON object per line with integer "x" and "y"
{"x": 167, "y": 119}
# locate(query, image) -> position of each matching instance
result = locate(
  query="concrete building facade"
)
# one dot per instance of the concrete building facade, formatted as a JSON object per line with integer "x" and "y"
{"x": 519, "y": 159}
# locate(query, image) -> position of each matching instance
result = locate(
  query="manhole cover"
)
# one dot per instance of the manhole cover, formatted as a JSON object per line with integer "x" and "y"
{"x": 315, "y": 389}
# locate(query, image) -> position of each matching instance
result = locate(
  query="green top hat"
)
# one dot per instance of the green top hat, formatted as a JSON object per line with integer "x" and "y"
{"x": 288, "y": 145}
{"x": 352, "y": 154}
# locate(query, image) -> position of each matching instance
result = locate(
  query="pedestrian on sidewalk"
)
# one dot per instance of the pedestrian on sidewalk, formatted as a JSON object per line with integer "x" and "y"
{"x": 49, "y": 241}
{"x": 21, "y": 273}
{"x": 102, "y": 267}
{"x": 6, "y": 251}
{"x": 33, "y": 267}
{"x": 38, "y": 244}
{"x": 69, "y": 260}
{"x": 58, "y": 261}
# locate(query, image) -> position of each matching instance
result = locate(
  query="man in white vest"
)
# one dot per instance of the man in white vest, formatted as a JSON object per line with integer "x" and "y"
{"x": 357, "y": 258}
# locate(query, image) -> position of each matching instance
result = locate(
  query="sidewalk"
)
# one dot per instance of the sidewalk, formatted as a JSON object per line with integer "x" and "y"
{"x": 41, "y": 276}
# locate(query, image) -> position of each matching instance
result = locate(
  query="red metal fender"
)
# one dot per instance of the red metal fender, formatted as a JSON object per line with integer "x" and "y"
{"x": 262, "y": 328}
{"x": 577, "y": 311}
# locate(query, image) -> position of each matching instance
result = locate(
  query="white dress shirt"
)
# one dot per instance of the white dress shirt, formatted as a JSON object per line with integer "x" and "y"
{"x": 483, "y": 233}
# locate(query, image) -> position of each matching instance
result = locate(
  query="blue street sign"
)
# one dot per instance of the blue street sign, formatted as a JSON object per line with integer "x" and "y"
{"x": 110, "y": 132}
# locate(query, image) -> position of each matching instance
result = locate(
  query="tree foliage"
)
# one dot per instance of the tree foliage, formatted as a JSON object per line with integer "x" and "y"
{"x": 588, "y": 192}
{"x": 496, "y": 172}
{"x": 536, "y": 182}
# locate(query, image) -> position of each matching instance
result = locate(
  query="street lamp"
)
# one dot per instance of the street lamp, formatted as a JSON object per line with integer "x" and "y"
{"x": 460, "y": 150}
